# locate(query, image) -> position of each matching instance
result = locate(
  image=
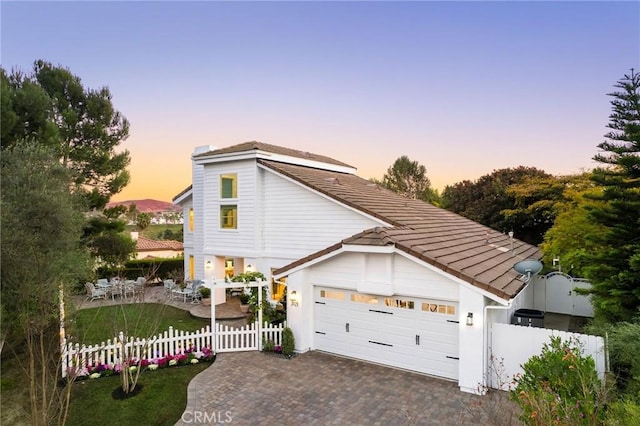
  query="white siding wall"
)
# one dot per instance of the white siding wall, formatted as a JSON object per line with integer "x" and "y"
{"x": 298, "y": 222}
{"x": 413, "y": 279}
{"x": 187, "y": 235}
{"x": 231, "y": 242}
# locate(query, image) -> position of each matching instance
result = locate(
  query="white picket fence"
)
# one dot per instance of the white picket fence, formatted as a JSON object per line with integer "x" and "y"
{"x": 169, "y": 343}
{"x": 247, "y": 338}
{"x": 512, "y": 345}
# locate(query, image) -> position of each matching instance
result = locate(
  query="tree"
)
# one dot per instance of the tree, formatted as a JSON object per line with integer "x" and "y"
{"x": 488, "y": 201}
{"x": 614, "y": 270}
{"x": 41, "y": 258}
{"x": 560, "y": 386}
{"x": 569, "y": 238}
{"x": 143, "y": 221}
{"x": 52, "y": 105}
{"x": 107, "y": 241}
{"x": 409, "y": 178}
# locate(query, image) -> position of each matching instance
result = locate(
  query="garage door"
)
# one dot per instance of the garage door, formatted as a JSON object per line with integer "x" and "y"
{"x": 405, "y": 332}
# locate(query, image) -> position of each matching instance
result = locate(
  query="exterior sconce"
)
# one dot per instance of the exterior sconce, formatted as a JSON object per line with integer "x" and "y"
{"x": 470, "y": 319}
{"x": 209, "y": 264}
{"x": 249, "y": 268}
{"x": 294, "y": 298}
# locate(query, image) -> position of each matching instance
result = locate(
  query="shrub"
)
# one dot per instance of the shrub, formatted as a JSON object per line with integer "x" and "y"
{"x": 268, "y": 345}
{"x": 288, "y": 342}
{"x": 559, "y": 386}
{"x": 205, "y": 292}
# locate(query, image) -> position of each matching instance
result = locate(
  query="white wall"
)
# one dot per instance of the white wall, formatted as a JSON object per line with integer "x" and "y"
{"x": 231, "y": 242}
{"x": 514, "y": 345}
{"x": 471, "y": 341}
{"x": 298, "y": 222}
{"x": 300, "y": 318}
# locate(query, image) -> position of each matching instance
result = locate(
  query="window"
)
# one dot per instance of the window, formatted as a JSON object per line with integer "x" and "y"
{"x": 192, "y": 266}
{"x": 439, "y": 308}
{"x": 229, "y": 217}
{"x": 191, "y": 220}
{"x": 277, "y": 288}
{"x": 399, "y": 303}
{"x": 229, "y": 186}
{"x": 364, "y": 298}
{"x": 335, "y": 295}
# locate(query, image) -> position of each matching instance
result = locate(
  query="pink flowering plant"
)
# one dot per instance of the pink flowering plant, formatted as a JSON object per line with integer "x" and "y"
{"x": 95, "y": 370}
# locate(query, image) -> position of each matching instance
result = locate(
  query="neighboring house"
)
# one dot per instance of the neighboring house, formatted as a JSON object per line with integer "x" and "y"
{"x": 369, "y": 274}
{"x": 147, "y": 248}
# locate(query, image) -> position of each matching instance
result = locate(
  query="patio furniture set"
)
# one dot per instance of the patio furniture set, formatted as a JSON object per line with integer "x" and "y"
{"x": 190, "y": 291}
{"x": 116, "y": 286}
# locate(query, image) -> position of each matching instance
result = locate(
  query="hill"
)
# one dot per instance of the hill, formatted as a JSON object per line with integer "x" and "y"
{"x": 148, "y": 205}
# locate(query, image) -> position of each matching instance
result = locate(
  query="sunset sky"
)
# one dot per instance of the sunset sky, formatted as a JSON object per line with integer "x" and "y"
{"x": 464, "y": 88}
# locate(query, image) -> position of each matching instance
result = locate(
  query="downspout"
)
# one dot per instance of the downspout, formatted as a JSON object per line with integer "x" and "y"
{"x": 485, "y": 352}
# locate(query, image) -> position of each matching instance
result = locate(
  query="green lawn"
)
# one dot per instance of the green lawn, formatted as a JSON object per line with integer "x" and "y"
{"x": 161, "y": 401}
{"x": 96, "y": 325}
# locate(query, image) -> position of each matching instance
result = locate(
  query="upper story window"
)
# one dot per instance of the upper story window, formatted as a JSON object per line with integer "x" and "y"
{"x": 191, "y": 220}
{"x": 229, "y": 217}
{"x": 229, "y": 186}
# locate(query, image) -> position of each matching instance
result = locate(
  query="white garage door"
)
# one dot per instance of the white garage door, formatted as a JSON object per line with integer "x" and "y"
{"x": 405, "y": 332}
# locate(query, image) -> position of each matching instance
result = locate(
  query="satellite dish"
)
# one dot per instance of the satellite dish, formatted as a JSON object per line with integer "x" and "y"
{"x": 528, "y": 267}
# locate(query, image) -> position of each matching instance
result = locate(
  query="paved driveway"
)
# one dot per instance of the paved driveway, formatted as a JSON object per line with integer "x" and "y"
{"x": 252, "y": 388}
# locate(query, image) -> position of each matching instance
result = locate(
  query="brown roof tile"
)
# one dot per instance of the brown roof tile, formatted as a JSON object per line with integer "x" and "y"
{"x": 147, "y": 244}
{"x": 260, "y": 146}
{"x": 468, "y": 250}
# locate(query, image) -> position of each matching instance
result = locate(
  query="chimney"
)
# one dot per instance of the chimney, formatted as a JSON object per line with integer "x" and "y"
{"x": 134, "y": 235}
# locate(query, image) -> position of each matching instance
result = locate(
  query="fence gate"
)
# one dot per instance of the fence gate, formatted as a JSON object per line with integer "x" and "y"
{"x": 246, "y": 338}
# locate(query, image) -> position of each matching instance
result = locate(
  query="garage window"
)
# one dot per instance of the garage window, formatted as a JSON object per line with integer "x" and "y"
{"x": 364, "y": 298}
{"x": 439, "y": 308}
{"x": 399, "y": 303}
{"x": 335, "y": 295}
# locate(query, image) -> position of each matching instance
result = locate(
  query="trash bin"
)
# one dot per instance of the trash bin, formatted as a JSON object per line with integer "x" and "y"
{"x": 528, "y": 318}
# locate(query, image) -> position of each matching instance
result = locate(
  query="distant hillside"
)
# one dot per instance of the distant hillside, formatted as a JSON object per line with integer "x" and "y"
{"x": 147, "y": 205}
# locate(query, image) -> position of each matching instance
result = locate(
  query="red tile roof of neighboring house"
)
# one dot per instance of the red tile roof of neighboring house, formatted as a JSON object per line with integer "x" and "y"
{"x": 461, "y": 247}
{"x": 147, "y": 244}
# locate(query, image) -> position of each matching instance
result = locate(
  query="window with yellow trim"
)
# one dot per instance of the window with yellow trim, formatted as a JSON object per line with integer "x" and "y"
{"x": 229, "y": 217}
{"x": 229, "y": 185}
{"x": 191, "y": 219}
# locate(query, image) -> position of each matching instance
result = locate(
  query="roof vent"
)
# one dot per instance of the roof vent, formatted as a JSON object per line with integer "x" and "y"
{"x": 333, "y": 180}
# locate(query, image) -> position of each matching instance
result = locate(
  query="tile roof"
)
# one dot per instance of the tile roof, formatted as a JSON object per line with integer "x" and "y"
{"x": 147, "y": 244}
{"x": 461, "y": 247}
{"x": 274, "y": 149}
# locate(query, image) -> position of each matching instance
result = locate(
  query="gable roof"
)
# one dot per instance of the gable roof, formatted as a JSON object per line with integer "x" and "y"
{"x": 459, "y": 246}
{"x": 274, "y": 149}
{"x": 147, "y": 244}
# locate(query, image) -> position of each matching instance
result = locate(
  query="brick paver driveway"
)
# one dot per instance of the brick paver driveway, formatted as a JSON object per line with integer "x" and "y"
{"x": 252, "y": 388}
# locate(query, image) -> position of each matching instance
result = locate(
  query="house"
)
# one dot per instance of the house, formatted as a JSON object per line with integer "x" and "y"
{"x": 368, "y": 273}
{"x": 147, "y": 248}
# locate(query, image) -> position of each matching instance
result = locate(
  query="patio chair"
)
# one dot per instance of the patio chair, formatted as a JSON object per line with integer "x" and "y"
{"x": 128, "y": 288}
{"x": 169, "y": 285}
{"x": 94, "y": 293}
{"x": 185, "y": 292}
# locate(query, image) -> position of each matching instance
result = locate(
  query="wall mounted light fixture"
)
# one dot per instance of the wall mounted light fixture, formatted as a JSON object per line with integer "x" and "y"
{"x": 470, "y": 318}
{"x": 209, "y": 264}
{"x": 295, "y": 300}
{"x": 249, "y": 268}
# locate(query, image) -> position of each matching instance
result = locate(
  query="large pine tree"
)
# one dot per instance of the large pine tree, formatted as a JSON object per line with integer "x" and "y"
{"x": 614, "y": 269}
